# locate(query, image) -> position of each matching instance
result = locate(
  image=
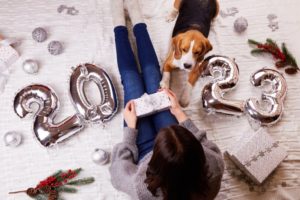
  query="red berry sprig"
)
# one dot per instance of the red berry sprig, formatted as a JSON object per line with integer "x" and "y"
{"x": 52, "y": 185}
{"x": 282, "y": 56}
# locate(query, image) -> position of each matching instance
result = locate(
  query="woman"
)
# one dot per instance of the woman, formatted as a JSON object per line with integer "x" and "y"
{"x": 158, "y": 158}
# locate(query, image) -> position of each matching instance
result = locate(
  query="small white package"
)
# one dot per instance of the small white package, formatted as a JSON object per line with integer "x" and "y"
{"x": 153, "y": 103}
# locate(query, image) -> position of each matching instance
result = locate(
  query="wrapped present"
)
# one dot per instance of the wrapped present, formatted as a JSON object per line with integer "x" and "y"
{"x": 257, "y": 155}
{"x": 8, "y": 55}
{"x": 149, "y": 104}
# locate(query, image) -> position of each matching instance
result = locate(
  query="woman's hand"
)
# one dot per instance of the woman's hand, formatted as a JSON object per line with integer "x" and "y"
{"x": 175, "y": 109}
{"x": 130, "y": 115}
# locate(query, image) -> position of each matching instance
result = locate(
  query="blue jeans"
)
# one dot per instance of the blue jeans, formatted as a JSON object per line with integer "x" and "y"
{"x": 135, "y": 84}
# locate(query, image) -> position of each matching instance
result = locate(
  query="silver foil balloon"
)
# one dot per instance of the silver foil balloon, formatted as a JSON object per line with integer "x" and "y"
{"x": 212, "y": 93}
{"x": 45, "y": 129}
{"x": 108, "y": 105}
{"x": 273, "y": 97}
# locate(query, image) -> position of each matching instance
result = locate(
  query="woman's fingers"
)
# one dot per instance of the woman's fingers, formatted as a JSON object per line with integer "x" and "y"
{"x": 132, "y": 106}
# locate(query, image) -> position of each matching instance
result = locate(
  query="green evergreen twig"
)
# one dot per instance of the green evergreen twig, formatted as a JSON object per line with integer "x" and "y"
{"x": 258, "y": 51}
{"x": 272, "y": 43}
{"x": 66, "y": 189}
{"x": 40, "y": 197}
{"x": 253, "y": 42}
{"x": 83, "y": 181}
{"x": 58, "y": 173}
{"x": 289, "y": 57}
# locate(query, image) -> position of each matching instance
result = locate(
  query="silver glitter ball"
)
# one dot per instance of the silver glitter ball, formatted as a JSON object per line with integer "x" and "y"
{"x": 12, "y": 139}
{"x": 100, "y": 156}
{"x": 240, "y": 24}
{"x": 55, "y": 48}
{"x": 39, "y": 34}
{"x": 30, "y": 66}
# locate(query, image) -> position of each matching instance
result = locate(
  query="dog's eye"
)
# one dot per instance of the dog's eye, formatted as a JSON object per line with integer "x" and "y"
{"x": 197, "y": 53}
{"x": 184, "y": 50}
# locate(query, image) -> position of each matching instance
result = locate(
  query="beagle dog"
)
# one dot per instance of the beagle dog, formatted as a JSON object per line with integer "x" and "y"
{"x": 189, "y": 41}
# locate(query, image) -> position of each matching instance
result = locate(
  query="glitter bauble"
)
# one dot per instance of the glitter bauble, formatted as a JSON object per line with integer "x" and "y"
{"x": 55, "y": 48}
{"x": 39, "y": 34}
{"x": 240, "y": 24}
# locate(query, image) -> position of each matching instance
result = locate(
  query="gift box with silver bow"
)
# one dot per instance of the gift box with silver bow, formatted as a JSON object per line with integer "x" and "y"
{"x": 257, "y": 155}
{"x": 149, "y": 104}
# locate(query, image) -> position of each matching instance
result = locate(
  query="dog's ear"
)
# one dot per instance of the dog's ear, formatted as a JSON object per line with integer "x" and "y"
{"x": 176, "y": 46}
{"x": 205, "y": 48}
{"x": 208, "y": 47}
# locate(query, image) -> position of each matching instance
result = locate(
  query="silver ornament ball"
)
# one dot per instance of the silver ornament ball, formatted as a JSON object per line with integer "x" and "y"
{"x": 12, "y": 139}
{"x": 30, "y": 66}
{"x": 39, "y": 34}
{"x": 100, "y": 156}
{"x": 240, "y": 24}
{"x": 55, "y": 48}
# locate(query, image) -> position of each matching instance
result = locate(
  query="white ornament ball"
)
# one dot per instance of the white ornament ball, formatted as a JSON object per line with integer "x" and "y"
{"x": 99, "y": 156}
{"x": 30, "y": 66}
{"x": 240, "y": 24}
{"x": 39, "y": 34}
{"x": 55, "y": 48}
{"x": 12, "y": 139}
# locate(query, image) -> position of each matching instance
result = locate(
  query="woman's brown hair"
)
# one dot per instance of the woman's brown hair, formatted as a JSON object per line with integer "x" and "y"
{"x": 178, "y": 166}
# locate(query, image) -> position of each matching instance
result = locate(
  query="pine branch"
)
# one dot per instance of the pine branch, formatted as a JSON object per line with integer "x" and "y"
{"x": 258, "y": 51}
{"x": 40, "y": 197}
{"x": 56, "y": 174}
{"x": 253, "y": 42}
{"x": 66, "y": 189}
{"x": 78, "y": 170}
{"x": 272, "y": 42}
{"x": 83, "y": 181}
{"x": 289, "y": 57}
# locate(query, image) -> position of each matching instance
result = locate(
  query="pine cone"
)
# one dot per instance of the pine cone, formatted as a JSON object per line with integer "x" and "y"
{"x": 53, "y": 195}
{"x": 291, "y": 70}
{"x": 32, "y": 192}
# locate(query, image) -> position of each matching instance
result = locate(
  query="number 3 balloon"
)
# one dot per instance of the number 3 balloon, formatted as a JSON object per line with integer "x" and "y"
{"x": 274, "y": 97}
{"x": 49, "y": 133}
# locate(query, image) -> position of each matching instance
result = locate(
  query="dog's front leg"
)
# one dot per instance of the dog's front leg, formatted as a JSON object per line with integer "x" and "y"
{"x": 187, "y": 92}
{"x": 166, "y": 76}
{"x": 186, "y": 95}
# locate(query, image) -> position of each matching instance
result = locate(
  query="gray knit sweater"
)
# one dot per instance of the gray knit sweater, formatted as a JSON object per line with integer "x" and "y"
{"x": 129, "y": 177}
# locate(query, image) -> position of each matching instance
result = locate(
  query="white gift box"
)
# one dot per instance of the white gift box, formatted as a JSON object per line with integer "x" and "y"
{"x": 149, "y": 104}
{"x": 257, "y": 155}
{"x": 8, "y": 55}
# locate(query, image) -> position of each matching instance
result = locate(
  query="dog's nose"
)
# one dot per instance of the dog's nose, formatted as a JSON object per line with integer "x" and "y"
{"x": 187, "y": 66}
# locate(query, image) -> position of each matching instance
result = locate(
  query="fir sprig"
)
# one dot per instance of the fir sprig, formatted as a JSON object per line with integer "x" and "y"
{"x": 82, "y": 181}
{"x": 66, "y": 189}
{"x": 282, "y": 56}
{"x": 50, "y": 187}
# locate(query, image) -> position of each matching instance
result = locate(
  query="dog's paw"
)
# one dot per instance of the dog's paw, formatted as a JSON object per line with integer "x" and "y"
{"x": 185, "y": 99}
{"x": 164, "y": 84}
{"x": 171, "y": 16}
